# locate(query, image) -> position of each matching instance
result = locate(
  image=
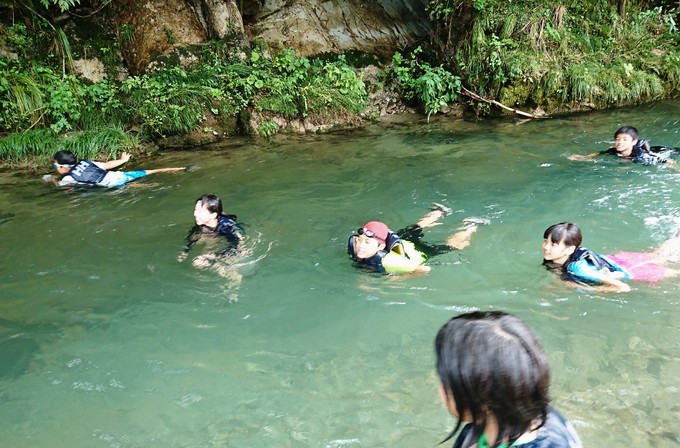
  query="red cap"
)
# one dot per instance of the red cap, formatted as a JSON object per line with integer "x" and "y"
{"x": 378, "y": 228}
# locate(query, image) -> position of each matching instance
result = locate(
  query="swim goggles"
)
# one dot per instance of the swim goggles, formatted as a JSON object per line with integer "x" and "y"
{"x": 365, "y": 231}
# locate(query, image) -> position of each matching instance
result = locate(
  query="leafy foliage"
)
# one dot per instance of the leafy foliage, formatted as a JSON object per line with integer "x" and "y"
{"x": 63, "y": 5}
{"x": 597, "y": 53}
{"x": 174, "y": 100}
{"x": 268, "y": 128}
{"x": 433, "y": 86}
{"x": 170, "y": 101}
{"x": 297, "y": 87}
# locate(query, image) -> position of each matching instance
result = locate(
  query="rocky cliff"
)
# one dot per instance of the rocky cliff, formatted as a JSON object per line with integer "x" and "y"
{"x": 309, "y": 27}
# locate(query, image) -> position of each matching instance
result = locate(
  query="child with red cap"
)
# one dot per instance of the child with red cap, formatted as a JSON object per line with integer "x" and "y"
{"x": 378, "y": 248}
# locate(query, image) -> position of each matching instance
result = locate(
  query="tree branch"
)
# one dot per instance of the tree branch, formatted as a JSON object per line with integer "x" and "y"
{"x": 476, "y": 97}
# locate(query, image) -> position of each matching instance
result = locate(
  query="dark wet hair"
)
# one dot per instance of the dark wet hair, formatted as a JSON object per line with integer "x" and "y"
{"x": 564, "y": 231}
{"x": 492, "y": 363}
{"x": 65, "y": 157}
{"x": 628, "y": 130}
{"x": 211, "y": 202}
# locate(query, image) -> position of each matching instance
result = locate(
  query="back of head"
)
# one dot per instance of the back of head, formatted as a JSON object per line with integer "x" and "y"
{"x": 211, "y": 202}
{"x": 566, "y": 232}
{"x": 492, "y": 363}
{"x": 627, "y": 130}
{"x": 65, "y": 158}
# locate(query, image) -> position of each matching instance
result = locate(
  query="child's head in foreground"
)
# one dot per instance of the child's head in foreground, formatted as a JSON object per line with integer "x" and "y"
{"x": 492, "y": 369}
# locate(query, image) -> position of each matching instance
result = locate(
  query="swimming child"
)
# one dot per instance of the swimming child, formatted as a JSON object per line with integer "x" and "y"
{"x": 216, "y": 228}
{"x": 494, "y": 378}
{"x": 97, "y": 173}
{"x": 581, "y": 267}
{"x": 628, "y": 146}
{"x": 377, "y": 248}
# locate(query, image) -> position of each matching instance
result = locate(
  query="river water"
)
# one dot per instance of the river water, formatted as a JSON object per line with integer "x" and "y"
{"x": 106, "y": 340}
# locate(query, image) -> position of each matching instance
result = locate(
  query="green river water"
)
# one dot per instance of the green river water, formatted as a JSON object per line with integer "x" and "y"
{"x": 106, "y": 340}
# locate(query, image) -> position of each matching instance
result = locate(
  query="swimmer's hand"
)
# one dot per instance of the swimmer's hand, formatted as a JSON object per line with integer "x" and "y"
{"x": 624, "y": 288}
{"x": 417, "y": 272}
{"x": 125, "y": 156}
{"x": 613, "y": 285}
{"x": 204, "y": 261}
{"x": 182, "y": 256}
{"x": 51, "y": 179}
{"x": 581, "y": 157}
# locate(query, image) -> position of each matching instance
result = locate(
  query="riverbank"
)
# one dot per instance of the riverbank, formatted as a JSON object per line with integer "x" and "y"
{"x": 77, "y": 83}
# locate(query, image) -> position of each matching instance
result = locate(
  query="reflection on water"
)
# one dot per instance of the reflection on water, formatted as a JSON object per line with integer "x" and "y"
{"x": 106, "y": 340}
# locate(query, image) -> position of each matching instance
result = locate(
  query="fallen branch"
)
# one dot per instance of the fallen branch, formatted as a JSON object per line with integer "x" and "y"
{"x": 476, "y": 97}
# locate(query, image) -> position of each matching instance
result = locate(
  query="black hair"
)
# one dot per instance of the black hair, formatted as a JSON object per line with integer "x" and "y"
{"x": 628, "y": 130}
{"x": 211, "y": 202}
{"x": 564, "y": 231}
{"x": 65, "y": 157}
{"x": 491, "y": 363}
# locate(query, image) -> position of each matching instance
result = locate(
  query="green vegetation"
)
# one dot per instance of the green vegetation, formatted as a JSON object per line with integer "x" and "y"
{"x": 545, "y": 54}
{"x": 568, "y": 53}
{"x": 434, "y": 87}
{"x": 63, "y": 5}
{"x": 37, "y": 94}
{"x": 91, "y": 144}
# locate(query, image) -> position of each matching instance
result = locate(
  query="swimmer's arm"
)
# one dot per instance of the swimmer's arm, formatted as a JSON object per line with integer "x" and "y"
{"x": 66, "y": 180}
{"x": 111, "y": 164}
{"x": 398, "y": 264}
{"x": 581, "y": 157}
{"x": 608, "y": 285}
{"x": 622, "y": 287}
{"x": 234, "y": 238}
{"x": 422, "y": 269}
{"x": 615, "y": 285}
{"x": 191, "y": 238}
{"x": 418, "y": 272}
{"x": 204, "y": 261}
{"x": 51, "y": 179}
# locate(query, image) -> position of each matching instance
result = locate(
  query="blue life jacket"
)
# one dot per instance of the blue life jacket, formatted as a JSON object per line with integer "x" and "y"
{"x": 87, "y": 172}
{"x": 584, "y": 266}
{"x": 375, "y": 261}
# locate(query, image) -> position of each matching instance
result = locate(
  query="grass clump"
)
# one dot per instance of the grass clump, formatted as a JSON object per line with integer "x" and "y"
{"x": 596, "y": 53}
{"x": 41, "y": 144}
